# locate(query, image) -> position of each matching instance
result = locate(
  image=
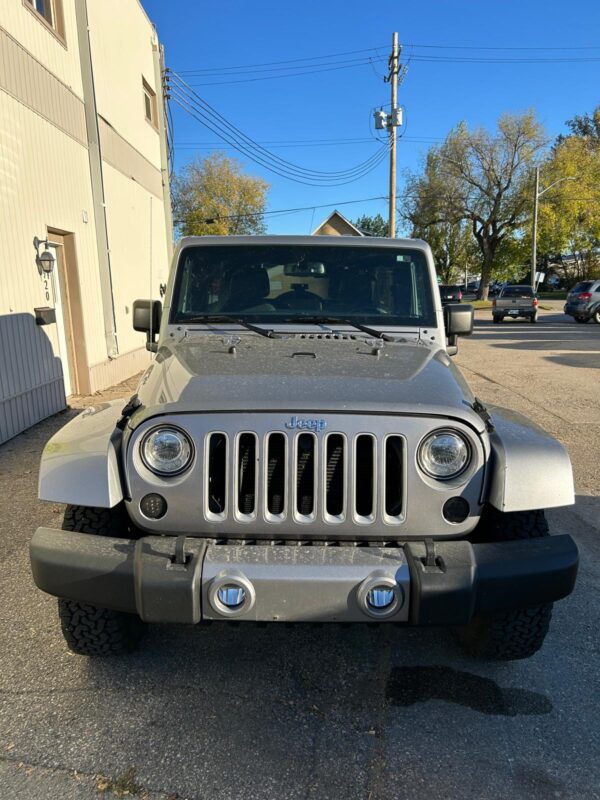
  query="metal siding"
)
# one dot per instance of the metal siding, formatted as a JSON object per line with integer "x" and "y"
{"x": 122, "y": 156}
{"x": 45, "y": 180}
{"x": 32, "y": 84}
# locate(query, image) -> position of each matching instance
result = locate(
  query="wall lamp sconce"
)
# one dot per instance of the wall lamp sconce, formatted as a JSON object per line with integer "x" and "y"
{"x": 45, "y": 260}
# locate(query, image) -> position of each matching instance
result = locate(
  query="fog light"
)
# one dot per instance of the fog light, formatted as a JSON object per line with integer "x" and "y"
{"x": 456, "y": 509}
{"x": 231, "y": 595}
{"x": 153, "y": 506}
{"x": 380, "y": 597}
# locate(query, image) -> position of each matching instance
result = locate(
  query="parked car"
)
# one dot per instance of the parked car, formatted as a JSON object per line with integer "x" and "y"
{"x": 302, "y": 449}
{"x": 450, "y": 294}
{"x": 514, "y": 302}
{"x": 583, "y": 302}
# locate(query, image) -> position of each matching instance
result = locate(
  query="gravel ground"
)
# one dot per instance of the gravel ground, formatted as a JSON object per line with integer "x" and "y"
{"x": 305, "y": 712}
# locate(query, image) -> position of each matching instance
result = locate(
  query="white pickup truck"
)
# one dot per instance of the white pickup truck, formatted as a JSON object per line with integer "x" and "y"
{"x": 515, "y": 301}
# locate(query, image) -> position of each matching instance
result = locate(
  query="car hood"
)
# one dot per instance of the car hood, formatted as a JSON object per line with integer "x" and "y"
{"x": 302, "y": 374}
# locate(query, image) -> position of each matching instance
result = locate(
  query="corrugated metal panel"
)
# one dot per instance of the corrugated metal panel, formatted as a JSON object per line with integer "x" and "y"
{"x": 60, "y": 57}
{"x": 109, "y": 373}
{"x": 33, "y": 85}
{"x": 122, "y": 156}
{"x": 31, "y": 383}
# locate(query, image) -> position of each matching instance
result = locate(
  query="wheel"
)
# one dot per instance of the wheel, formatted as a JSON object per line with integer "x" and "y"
{"x": 497, "y": 319}
{"x": 89, "y": 630}
{"x": 507, "y": 526}
{"x": 516, "y": 634}
{"x": 509, "y": 636}
{"x": 596, "y": 316}
{"x": 580, "y": 320}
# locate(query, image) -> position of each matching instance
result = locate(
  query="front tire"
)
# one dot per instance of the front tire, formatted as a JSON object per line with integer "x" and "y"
{"x": 92, "y": 631}
{"x": 508, "y": 635}
{"x": 89, "y": 630}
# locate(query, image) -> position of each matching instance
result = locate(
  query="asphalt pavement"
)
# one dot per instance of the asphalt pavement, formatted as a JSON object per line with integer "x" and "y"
{"x": 305, "y": 712}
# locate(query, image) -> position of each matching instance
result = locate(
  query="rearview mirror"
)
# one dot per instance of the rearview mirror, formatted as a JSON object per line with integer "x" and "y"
{"x": 146, "y": 318}
{"x": 458, "y": 321}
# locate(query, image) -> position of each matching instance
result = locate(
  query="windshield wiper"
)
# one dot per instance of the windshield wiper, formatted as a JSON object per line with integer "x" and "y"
{"x": 329, "y": 320}
{"x": 226, "y": 318}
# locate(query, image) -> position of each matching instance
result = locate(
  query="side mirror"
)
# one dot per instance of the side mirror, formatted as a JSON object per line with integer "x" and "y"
{"x": 146, "y": 318}
{"x": 458, "y": 321}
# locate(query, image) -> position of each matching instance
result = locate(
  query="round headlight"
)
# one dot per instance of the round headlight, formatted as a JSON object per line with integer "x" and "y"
{"x": 166, "y": 451}
{"x": 444, "y": 455}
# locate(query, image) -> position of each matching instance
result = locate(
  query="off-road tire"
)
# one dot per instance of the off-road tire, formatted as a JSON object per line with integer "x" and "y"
{"x": 93, "y": 631}
{"x": 507, "y": 526}
{"x": 509, "y": 635}
{"x": 87, "y": 629}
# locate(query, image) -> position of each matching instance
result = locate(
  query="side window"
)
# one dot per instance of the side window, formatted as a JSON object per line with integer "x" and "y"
{"x": 50, "y": 12}
{"x": 150, "y": 108}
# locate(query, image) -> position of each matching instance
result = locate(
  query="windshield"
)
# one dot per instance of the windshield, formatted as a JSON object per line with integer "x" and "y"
{"x": 517, "y": 291}
{"x": 283, "y": 283}
{"x": 584, "y": 286}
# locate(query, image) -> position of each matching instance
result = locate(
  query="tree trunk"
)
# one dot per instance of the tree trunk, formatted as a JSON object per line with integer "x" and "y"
{"x": 486, "y": 271}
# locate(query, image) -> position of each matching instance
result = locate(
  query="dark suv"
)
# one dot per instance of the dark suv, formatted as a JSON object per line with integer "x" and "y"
{"x": 583, "y": 302}
{"x": 450, "y": 294}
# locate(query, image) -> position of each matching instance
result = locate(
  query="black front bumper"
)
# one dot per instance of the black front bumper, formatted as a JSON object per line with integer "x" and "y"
{"x": 443, "y": 583}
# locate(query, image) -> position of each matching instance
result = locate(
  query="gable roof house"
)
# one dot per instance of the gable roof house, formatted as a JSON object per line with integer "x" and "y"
{"x": 336, "y": 224}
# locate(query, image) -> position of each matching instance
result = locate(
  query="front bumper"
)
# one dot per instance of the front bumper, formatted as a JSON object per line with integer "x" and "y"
{"x": 167, "y": 580}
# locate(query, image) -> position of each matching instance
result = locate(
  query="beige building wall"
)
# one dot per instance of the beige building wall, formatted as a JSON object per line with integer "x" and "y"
{"x": 45, "y": 184}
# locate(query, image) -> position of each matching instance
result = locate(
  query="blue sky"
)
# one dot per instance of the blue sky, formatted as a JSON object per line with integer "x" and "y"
{"x": 336, "y": 105}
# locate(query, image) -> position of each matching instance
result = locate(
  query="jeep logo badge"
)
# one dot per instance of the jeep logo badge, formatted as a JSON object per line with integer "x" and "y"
{"x": 306, "y": 424}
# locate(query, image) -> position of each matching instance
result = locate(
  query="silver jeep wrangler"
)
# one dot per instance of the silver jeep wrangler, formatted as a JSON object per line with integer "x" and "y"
{"x": 302, "y": 449}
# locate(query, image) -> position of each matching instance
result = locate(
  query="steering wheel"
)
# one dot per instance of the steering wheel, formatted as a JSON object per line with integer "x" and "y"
{"x": 299, "y": 301}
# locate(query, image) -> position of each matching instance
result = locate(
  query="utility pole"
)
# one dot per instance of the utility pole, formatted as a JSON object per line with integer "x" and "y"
{"x": 393, "y": 80}
{"x": 536, "y": 197}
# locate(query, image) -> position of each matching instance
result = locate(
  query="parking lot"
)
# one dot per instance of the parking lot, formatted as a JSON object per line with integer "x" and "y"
{"x": 319, "y": 712}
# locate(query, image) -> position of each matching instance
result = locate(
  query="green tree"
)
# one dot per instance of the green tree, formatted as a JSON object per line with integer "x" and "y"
{"x": 481, "y": 179}
{"x": 453, "y": 248}
{"x": 213, "y": 195}
{"x": 584, "y": 126}
{"x": 376, "y": 225}
{"x": 569, "y": 213}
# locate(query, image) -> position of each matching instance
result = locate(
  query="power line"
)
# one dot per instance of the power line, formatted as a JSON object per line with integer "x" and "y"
{"x": 494, "y": 47}
{"x": 287, "y": 75}
{"x": 301, "y": 208}
{"x": 262, "y": 161}
{"x": 274, "y": 63}
{"x": 216, "y": 72}
{"x": 473, "y": 60}
{"x": 302, "y": 61}
{"x": 226, "y": 131}
{"x": 313, "y": 142}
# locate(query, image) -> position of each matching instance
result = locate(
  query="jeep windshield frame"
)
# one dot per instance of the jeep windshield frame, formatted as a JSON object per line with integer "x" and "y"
{"x": 297, "y": 283}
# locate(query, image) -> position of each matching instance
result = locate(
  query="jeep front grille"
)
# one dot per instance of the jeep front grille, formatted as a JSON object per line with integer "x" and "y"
{"x": 303, "y": 478}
